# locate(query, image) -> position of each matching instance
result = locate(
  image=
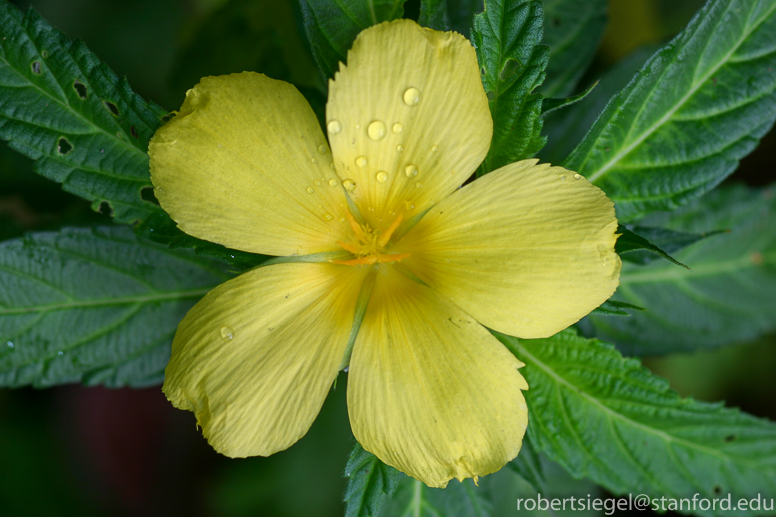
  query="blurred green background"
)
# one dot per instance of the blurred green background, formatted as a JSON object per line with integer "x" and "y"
{"x": 77, "y": 451}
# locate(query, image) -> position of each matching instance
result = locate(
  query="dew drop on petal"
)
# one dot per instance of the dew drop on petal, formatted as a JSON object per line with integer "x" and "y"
{"x": 310, "y": 190}
{"x": 382, "y": 176}
{"x": 434, "y": 148}
{"x": 334, "y": 127}
{"x": 349, "y": 184}
{"x": 361, "y": 161}
{"x": 328, "y": 216}
{"x": 376, "y": 130}
{"x": 577, "y": 177}
{"x": 227, "y": 333}
{"x": 411, "y": 96}
{"x": 333, "y": 182}
{"x": 399, "y": 148}
{"x": 411, "y": 170}
{"x": 397, "y": 128}
{"x": 419, "y": 185}
{"x": 317, "y": 183}
{"x": 314, "y": 161}
{"x": 323, "y": 149}
{"x": 562, "y": 177}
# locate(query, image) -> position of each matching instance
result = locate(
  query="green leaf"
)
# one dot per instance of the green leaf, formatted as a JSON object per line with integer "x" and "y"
{"x": 507, "y": 36}
{"x": 694, "y": 110}
{"x": 160, "y": 228}
{"x": 370, "y": 482}
{"x": 608, "y": 418}
{"x": 551, "y": 104}
{"x": 615, "y": 308}
{"x": 572, "y": 30}
{"x": 62, "y": 107}
{"x": 629, "y": 241}
{"x": 332, "y": 26}
{"x": 728, "y": 296}
{"x": 414, "y": 499}
{"x": 445, "y": 15}
{"x": 664, "y": 240}
{"x": 99, "y": 306}
{"x": 566, "y": 128}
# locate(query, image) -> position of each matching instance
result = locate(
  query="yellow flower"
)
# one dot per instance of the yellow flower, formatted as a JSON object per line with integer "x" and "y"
{"x": 390, "y": 257}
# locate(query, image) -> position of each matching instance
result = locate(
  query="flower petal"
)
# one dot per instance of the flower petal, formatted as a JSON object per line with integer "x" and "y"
{"x": 408, "y": 118}
{"x": 255, "y": 358}
{"x": 245, "y": 164}
{"x": 526, "y": 250}
{"x": 430, "y": 391}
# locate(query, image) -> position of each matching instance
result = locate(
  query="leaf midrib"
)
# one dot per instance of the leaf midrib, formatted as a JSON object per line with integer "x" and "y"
{"x": 619, "y": 416}
{"x": 693, "y": 89}
{"x": 102, "y": 302}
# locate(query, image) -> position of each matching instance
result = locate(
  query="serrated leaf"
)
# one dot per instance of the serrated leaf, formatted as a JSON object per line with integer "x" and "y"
{"x": 332, "y": 26}
{"x": 728, "y": 296}
{"x": 97, "y": 306}
{"x": 507, "y": 36}
{"x": 629, "y": 241}
{"x": 445, "y": 15}
{"x": 370, "y": 482}
{"x": 566, "y": 129}
{"x": 551, "y": 104}
{"x": 698, "y": 106}
{"x": 459, "y": 499}
{"x": 84, "y": 126}
{"x": 573, "y": 30}
{"x": 664, "y": 239}
{"x": 606, "y": 417}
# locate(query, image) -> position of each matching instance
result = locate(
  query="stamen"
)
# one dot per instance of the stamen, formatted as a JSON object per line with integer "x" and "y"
{"x": 391, "y": 257}
{"x": 349, "y": 247}
{"x": 386, "y": 236}
{"x": 355, "y": 226}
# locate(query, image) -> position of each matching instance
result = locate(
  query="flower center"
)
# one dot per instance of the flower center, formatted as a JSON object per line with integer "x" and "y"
{"x": 368, "y": 245}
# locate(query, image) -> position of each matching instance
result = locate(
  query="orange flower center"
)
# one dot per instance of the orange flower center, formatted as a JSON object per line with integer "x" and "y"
{"x": 368, "y": 245}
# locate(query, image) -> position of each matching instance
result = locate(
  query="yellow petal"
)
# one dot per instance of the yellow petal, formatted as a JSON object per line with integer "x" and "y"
{"x": 255, "y": 358}
{"x": 526, "y": 250}
{"x": 430, "y": 391}
{"x": 245, "y": 164}
{"x": 408, "y": 118}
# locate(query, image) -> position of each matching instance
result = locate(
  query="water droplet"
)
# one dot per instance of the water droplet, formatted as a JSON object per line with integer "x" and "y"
{"x": 562, "y": 177}
{"x": 227, "y": 333}
{"x": 332, "y": 166}
{"x": 361, "y": 161}
{"x": 358, "y": 126}
{"x": 60, "y": 353}
{"x": 10, "y": 345}
{"x": 397, "y": 128}
{"x": 371, "y": 209}
{"x": 334, "y": 127}
{"x": 333, "y": 182}
{"x": 323, "y": 149}
{"x": 382, "y": 176}
{"x": 409, "y": 205}
{"x": 411, "y": 97}
{"x": 419, "y": 185}
{"x": 328, "y": 216}
{"x": 317, "y": 183}
{"x": 349, "y": 184}
{"x": 376, "y": 130}
{"x": 577, "y": 177}
{"x": 411, "y": 170}
{"x": 314, "y": 161}
{"x": 400, "y": 148}
{"x": 310, "y": 190}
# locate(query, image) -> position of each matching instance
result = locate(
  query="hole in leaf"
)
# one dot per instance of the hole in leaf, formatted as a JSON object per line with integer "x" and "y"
{"x": 44, "y": 54}
{"x": 63, "y": 146}
{"x": 105, "y": 208}
{"x": 133, "y": 131}
{"x": 165, "y": 119}
{"x": 491, "y": 95}
{"x": 483, "y": 71}
{"x": 147, "y": 194}
{"x": 114, "y": 110}
{"x": 717, "y": 489}
{"x": 511, "y": 67}
{"x": 80, "y": 89}
{"x": 36, "y": 68}
{"x": 729, "y": 438}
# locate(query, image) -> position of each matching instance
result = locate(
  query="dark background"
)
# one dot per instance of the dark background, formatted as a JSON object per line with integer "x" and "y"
{"x": 91, "y": 451}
